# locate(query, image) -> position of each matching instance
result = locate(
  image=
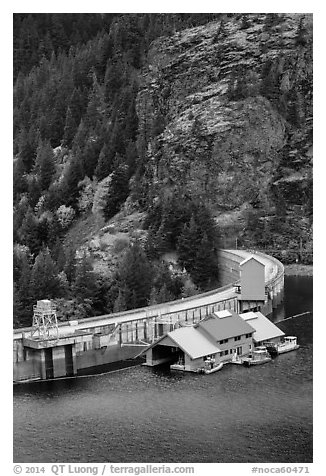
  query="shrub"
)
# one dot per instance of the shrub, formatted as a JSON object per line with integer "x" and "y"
{"x": 65, "y": 215}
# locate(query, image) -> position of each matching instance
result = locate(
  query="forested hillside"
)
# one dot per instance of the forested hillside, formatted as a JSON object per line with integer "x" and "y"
{"x": 138, "y": 136}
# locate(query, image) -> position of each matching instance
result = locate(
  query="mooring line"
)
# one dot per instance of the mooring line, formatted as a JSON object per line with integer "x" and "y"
{"x": 296, "y": 315}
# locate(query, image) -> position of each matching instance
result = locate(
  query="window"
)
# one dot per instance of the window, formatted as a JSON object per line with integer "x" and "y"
{"x": 226, "y": 352}
{"x": 237, "y": 338}
{"x": 210, "y": 356}
{"x": 248, "y": 335}
{"x": 224, "y": 341}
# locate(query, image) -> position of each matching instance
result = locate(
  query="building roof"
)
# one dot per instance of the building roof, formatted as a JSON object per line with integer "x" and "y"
{"x": 193, "y": 342}
{"x": 251, "y": 258}
{"x": 224, "y": 327}
{"x": 264, "y": 328}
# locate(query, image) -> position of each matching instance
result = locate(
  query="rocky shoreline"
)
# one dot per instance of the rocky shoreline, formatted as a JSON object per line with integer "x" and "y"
{"x": 298, "y": 269}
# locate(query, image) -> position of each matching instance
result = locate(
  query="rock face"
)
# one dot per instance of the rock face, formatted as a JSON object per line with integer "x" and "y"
{"x": 225, "y": 113}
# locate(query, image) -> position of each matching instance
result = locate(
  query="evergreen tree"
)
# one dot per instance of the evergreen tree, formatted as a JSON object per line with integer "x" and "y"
{"x": 58, "y": 115}
{"x": 70, "y": 263}
{"x": 20, "y": 211}
{"x": 96, "y": 108}
{"x": 90, "y": 155}
{"x": 76, "y": 105}
{"x": 84, "y": 285}
{"x": 105, "y": 162}
{"x": 187, "y": 245}
{"x": 45, "y": 165}
{"x": 58, "y": 254}
{"x": 69, "y": 129}
{"x": 44, "y": 282}
{"x": 164, "y": 295}
{"x": 153, "y": 299}
{"x": 29, "y": 233}
{"x": 118, "y": 191}
{"x": 135, "y": 277}
{"x": 205, "y": 222}
{"x": 23, "y": 301}
{"x": 74, "y": 174}
{"x": 27, "y": 151}
{"x": 80, "y": 137}
{"x": 205, "y": 270}
{"x": 34, "y": 190}
{"x": 19, "y": 180}
{"x": 120, "y": 303}
{"x": 54, "y": 230}
{"x": 17, "y": 306}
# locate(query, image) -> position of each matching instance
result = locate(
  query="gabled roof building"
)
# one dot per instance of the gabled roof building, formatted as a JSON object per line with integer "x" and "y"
{"x": 219, "y": 337}
{"x": 265, "y": 330}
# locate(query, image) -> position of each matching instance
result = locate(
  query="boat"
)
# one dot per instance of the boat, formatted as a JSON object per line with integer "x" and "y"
{"x": 259, "y": 355}
{"x": 200, "y": 370}
{"x": 210, "y": 371}
{"x": 289, "y": 343}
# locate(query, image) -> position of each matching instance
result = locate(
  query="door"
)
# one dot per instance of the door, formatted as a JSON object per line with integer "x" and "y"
{"x": 69, "y": 361}
{"x": 48, "y": 363}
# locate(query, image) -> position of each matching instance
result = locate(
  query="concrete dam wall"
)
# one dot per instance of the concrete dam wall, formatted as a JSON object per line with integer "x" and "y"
{"x": 95, "y": 341}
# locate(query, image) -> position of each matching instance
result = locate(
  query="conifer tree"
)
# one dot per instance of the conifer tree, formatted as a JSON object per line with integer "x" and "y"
{"x": 44, "y": 282}
{"x": 23, "y": 301}
{"x": 69, "y": 129}
{"x": 105, "y": 162}
{"x": 90, "y": 155}
{"x": 118, "y": 191}
{"x": 96, "y": 107}
{"x": 135, "y": 277}
{"x": 45, "y": 165}
{"x": 70, "y": 263}
{"x": 76, "y": 105}
{"x": 17, "y": 306}
{"x": 153, "y": 297}
{"x": 80, "y": 137}
{"x": 84, "y": 285}
{"x": 205, "y": 270}
{"x": 164, "y": 295}
{"x": 34, "y": 190}
{"x": 187, "y": 245}
{"x": 19, "y": 180}
{"x": 58, "y": 254}
{"x": 29, "y": 233}
{"x": 74, "y": 174}
{"x": 27, "y": 151}
{"x": 120, "y": 302}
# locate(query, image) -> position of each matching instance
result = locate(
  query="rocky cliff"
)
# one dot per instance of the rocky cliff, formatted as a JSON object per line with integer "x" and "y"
{"x": 225, "y": 114}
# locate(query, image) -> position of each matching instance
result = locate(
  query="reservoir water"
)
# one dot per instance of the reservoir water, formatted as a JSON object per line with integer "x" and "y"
{"x": 238, "y": 415}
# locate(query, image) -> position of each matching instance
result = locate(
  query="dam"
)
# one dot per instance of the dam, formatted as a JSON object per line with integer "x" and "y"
{"x": 251, "y": 281}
